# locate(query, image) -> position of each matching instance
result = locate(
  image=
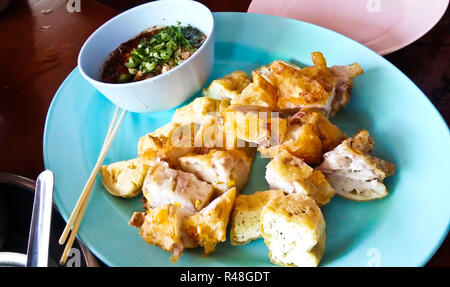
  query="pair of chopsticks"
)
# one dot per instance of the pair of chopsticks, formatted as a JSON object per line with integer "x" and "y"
{"x": 77, "y": 214}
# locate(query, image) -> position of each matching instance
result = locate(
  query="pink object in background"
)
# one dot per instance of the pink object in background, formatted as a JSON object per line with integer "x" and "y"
{"x": 382, "y": 25}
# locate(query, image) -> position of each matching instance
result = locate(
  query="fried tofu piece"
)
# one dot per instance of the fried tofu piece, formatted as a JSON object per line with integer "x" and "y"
{"x": 354, "y": 172}
{"x": 205, "y": 112}
{"x": 259, "y": 127}
{"x": 293, "y": 229}
{"x": 168, "y": 142}
{"x": 310, "y": 87}
{"x": 245, "y": 224}
{"x": 200, "y": 110}
{"x": 345, "y": 75}
{"x": 259, "y": 93}
{"x": 209, "y": 226}
{"x": 222, "y": 168}
{"x": 164, "y": 185}
{"x": 330, "y": 135}
{"x": 308, "y": 136}
{"x": 164, "y": 227}
{"x": 212, "y": 136}
{"x": 292, "y": 175}
{"x": 301, "y": 141}
{"x": 229, "y": 86}
{"x": 316, "y": 86}
{"x": 124, "y": 178}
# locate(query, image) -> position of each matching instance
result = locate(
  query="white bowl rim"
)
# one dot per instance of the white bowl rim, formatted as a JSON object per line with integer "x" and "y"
{"x": 160, "y": 76}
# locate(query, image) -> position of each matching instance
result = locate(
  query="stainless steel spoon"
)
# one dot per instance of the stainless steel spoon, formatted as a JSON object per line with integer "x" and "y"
{"x": 38, "y": 240}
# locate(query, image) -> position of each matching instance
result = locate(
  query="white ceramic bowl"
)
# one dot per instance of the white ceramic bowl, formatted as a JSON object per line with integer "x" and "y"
{"x": 167, "y": 90}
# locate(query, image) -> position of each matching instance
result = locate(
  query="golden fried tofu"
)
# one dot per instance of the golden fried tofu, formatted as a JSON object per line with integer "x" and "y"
{"x": 164, "y": 227}
{"x": 245, "y": 224}
{"x": 299, "y": 258}
{"x": 169, "y": 142}
{"x": 263, "y": 128}
{"x": 209, "y": 226}
{"x": 229, "y": 86}
{"x": 259, "y": 93}
{"x": 329, "y": 133}
{"x": 301, "y": 141}
{"x": 292, "y": 175}
{"x": 345, "y": 75}
{"x": 354, "y": 172}
{"x": 309, "y": 134}
{"x": 212, "y": 136}
{"x": 293, "y": 229}
{"x": 200, "y": 110}
{"x": 124, "y": 178}
{"x": 222, "y": 168}
{"x": 311, "y": 87}
{"x": 164, "y": 185}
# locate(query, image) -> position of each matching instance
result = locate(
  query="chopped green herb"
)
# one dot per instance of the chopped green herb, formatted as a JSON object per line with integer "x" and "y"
{"x": 155, "y": 52}
{"x": 163, "y": 47}
{"x": 123, "y": 78}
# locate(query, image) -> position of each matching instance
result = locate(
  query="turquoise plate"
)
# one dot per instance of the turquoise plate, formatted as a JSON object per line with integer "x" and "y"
{"x": 404, "y": 229}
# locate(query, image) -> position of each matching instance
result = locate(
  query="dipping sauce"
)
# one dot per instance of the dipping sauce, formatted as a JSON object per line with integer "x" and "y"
{"x": 151, "y": 53}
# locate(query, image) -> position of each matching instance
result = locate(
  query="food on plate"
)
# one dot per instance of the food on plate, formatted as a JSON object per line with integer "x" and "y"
{"x": 164, "y": 185}
{"x": 169, "y": 142}
{"x": 317, "y": 86}
{"x": 354, "y": 172}
{"x": 151, "y": 53}
{"x": 308, "y": 135}
{"x": 192, "y": 169}
{"x": 263, "y": 128}
{"x": 206, "y": 114}
{"x": 245, "y": 223}
{"x": 200, "y": 110}
{"x": 221, "y": 168}
{"x": 163, "y": 226}
{"x": 293, "y": 175}
{"x": 229, "y": 86}
{"x": 208, "y": 227}
{"x": 124, "y": 178}
{"x": 293, "y": 229}
{"x": 259, "y": 93}
{"x": 345, "y": 75}
{"x": 212, "y": 134}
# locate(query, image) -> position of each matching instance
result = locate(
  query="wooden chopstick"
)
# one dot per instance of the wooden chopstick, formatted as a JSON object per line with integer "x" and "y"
{"x": 77, "y": 213}
{"x": 92, "y": 176}
{"x": 69, "y": 243}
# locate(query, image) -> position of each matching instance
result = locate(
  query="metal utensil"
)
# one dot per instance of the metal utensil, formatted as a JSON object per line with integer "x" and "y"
{"x": 30, "y": 185}
{"x": 12, "y": 259}
{"x": 38, "y": 240}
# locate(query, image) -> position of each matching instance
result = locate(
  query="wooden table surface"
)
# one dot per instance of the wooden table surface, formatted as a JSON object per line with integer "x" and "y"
{"x": 39, "y": 50}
